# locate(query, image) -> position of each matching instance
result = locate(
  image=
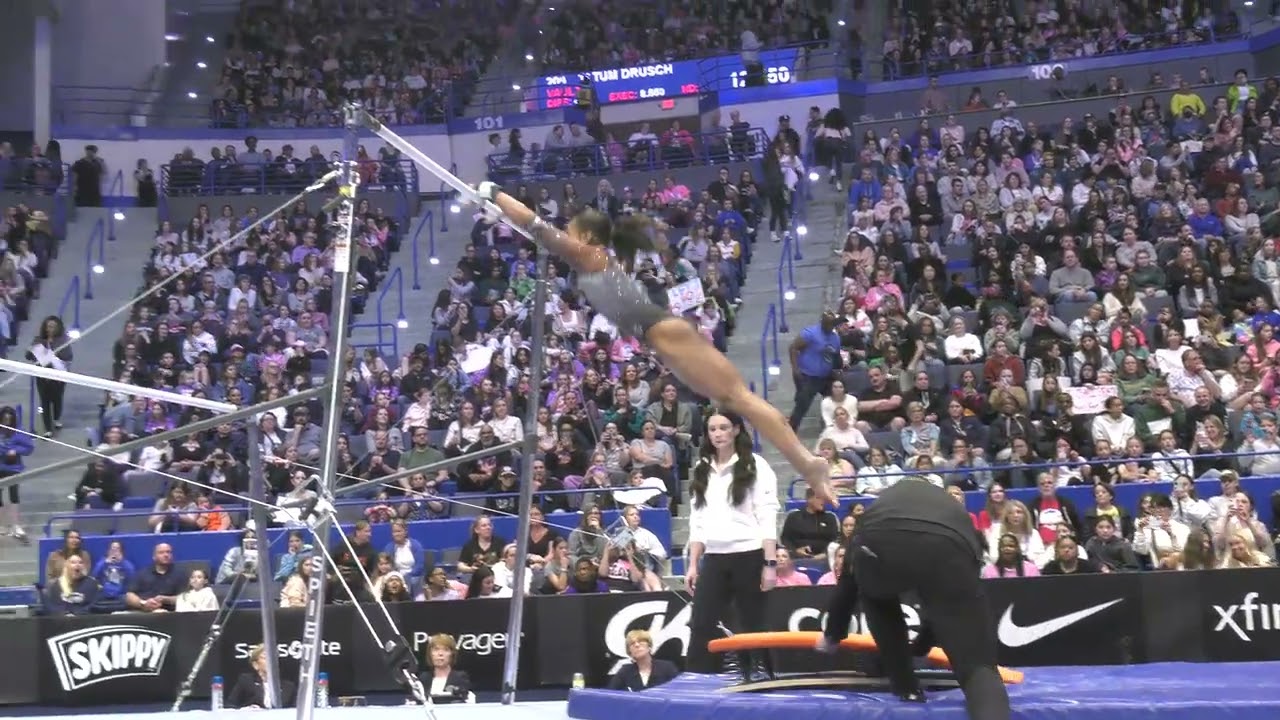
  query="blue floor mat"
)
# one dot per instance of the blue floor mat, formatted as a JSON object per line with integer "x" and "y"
{"x": 1167, "y": 691}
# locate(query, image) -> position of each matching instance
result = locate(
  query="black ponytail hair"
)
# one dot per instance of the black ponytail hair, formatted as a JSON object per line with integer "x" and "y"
{"x": 628, "y": 236}
{"x": 744, "y": 470}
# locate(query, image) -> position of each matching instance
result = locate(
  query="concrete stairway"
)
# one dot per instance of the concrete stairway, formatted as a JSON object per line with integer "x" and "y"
{"x": 432, "y": 278}
{"x": 92, "y": 356}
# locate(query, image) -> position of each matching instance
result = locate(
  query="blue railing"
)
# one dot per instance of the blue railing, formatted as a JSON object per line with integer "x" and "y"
{"x": 238, "y": 179}
{"x": 711, "y": 148}
{"x": 427, "y": 225}
{"x": 60, "y": 217}
{"x": 382, "y": 346}
{"x": 34, "y": 403}
{"x": 97, "y": 241}
{"x": 116, "y": 197}
{"x": 381, "y": 325}
{"x": 447, "y": 205}
{"x": 786, "y": 281}
{"x": 768, "y": 340}
{"x": 162, "y": 208}
{"x": 70, "y": 303}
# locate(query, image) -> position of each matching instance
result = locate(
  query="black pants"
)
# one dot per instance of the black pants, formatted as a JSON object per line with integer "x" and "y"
{"x": 724, "y": 580}
{"x": 808, "y": 388}
{"x": 881, "y": 565}
{"x": 12, "y": 493}
{"x": 50, "y": 392}
{"x": 779, "y": 210}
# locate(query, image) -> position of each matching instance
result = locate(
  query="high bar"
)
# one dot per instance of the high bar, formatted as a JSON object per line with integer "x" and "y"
{"x": 112, "y": 386}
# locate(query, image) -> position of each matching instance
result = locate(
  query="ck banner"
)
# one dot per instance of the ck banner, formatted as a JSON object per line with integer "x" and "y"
{"x": 108, "y": 659}
{"x": 1239, "y": 614}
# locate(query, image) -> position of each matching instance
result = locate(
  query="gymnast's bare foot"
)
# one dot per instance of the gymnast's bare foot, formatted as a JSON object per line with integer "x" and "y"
{"x": 817, "y": 473}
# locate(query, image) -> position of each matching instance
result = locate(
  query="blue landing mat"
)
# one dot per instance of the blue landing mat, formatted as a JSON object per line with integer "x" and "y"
{"x": 1167, "y": 691}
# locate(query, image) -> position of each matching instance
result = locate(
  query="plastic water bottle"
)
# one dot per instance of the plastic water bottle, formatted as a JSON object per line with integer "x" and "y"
{"x": 579, "y": 681}
{"x": 322, "y": 690}
{"x": 215, "y": 694}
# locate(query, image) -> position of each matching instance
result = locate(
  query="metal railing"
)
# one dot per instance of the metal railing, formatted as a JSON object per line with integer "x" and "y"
{"x": 71, "y": 303}
{"x": 98, "y": 241}
{"x": 200, "y": 179}
{"x": 427, "y": 225}
{"x": 711, "y": 148}
{"x": 446, "y": 198}
{"x": 769, "y": 368}
{"x": 787, "y": 273}
{"x": 396, "y": 280}
{"x": 25, "y": 175}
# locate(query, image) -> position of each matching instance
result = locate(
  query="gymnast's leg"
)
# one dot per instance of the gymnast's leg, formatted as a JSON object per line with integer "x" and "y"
{"x": 709, "y": 373}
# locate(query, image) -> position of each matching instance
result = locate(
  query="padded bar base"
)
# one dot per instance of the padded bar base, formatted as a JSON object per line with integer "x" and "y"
{"x": 806, "y": 641}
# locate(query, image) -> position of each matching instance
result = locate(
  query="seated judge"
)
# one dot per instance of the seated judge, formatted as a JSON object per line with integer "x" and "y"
{"x": 645, "y": 670}
{"x": 249, "y": 692}
{"x": 442, "y": 682}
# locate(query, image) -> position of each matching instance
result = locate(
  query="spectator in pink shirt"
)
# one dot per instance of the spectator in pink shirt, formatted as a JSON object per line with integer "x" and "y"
{"x": 672, "y": 193}
{"x": 788, "y": 576}
{"x": 837, "y": 567}
{"x": 1009, "y": 561}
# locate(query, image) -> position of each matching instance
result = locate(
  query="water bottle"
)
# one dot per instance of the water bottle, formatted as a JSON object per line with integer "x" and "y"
{"x": 579, "y": 681}
{"x": 322, "y": 690}
{"x": 215, "y": 694}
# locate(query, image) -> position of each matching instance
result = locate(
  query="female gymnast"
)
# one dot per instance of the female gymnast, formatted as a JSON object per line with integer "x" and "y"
{"x": 611, "y": 290}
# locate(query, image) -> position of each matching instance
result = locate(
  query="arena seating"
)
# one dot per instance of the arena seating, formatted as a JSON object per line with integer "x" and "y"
{"x": 965, "y": 35}
{"x": 36, "y": 193}
{"x": 292, "y": 65}
{"x": 687, "y": 31}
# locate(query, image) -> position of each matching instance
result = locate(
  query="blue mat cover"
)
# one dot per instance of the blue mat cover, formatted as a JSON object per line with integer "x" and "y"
{"x": 1167, "y": 691}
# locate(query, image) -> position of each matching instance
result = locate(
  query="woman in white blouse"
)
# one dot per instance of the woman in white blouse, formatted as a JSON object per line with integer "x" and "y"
{"x": 1157, "y": 534}
{"x": 733, "y": 531}
{"x": 1016, "y": 521}
{"x": 878, "y": 474}
{"x": 463, "y": 431}
{"x": 1113, "y": 425}
{"x": 1188, "y": 508}
{"x": 848, "y": 439}
{"x": 506, "y": 427}
{"x": 962, "y": 346}
{"x": 418, "y": 413}
{"x": 839, "y": 399}
{"x": 1242, "y": 520}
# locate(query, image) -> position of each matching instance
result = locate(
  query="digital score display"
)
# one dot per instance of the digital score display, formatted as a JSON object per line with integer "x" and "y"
{"x": 663, "y": 80}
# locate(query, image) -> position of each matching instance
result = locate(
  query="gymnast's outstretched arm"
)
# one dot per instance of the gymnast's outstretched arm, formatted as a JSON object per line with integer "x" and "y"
{"x": 683, "y": 349}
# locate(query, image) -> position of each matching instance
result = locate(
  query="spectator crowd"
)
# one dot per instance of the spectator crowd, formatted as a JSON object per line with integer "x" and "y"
{"x": 960, "y": 35}
{"x": 1088, "y": 304}
{"x": 293, "y": 64}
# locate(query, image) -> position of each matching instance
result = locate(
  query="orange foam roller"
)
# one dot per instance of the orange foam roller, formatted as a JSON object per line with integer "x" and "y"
{"x": 807, "y": 640}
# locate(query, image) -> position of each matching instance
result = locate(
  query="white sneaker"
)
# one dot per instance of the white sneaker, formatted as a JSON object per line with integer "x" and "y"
{"x": 21, "y": 535}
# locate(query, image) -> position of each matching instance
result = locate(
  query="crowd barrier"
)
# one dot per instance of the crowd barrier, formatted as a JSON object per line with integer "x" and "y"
{"x": 712, "y": 148}
{"x": 1206, "y": 616}
{"x": 200, "y": 179}
{"x": 1128, "y": 495}
{"x": 434, "y": 535}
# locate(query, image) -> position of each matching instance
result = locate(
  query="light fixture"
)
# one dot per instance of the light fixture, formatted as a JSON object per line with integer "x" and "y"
{"x": 192, "y": 95}
{"x": 209, "y": 39}
{"x": 840, "y": 23}
{"x": 528, "y": 57}
{"x": 172, "y": 37}
{"x": 515, "y": 86}
{"x": 202, "y": 64}
{"x": 98, "y": 269}
{"x": 434, "y": 260}
{"x": 455, "y": 208}
{"x": 789, "y": 295}
{"x": 74, "y": 333}
{"x": 802, "y": 230}
{"x": 813, "y": 176}
{"x": 774, "y": 370}
{"x": 402, "y": 323}
{"x": 118, "y": 215}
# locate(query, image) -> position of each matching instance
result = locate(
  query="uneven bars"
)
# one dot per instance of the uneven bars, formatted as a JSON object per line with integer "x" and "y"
{"x": 175, "y": 434}
{"x": 112, "y": 386}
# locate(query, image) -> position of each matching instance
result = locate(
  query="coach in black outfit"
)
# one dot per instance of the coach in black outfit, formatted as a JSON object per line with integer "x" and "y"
{"x": 250, "y": 690}
{"x": 916, "y": 537}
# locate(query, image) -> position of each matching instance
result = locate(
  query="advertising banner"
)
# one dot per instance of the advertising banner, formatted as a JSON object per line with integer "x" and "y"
{"x": 1240, "y": 614}
{"x": 105, "y": 659}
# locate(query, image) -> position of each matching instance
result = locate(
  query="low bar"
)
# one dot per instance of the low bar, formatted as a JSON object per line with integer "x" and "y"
{"x": 112, "y": 386}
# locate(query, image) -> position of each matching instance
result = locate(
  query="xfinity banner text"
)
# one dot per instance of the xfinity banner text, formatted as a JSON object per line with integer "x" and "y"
{"x": 1121, "y": 618}
{"x": 652, "y": 81}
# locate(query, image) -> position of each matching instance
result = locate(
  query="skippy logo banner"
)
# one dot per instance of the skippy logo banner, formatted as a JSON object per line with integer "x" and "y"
{"x": 84, "y": 658}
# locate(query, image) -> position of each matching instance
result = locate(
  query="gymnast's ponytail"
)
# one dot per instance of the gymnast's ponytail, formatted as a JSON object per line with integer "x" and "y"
{"x": 628, "y": 236}
{"x": 744, "y": 470}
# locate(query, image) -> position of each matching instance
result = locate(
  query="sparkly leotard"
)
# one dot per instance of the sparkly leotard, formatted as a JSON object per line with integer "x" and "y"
{"x": 616, "y": 295}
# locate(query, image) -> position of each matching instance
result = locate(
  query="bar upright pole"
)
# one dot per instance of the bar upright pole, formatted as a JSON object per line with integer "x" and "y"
{"x": 343, "y": 275}
{"x": 266, "y": 569}
{"x": 515, "y": 617}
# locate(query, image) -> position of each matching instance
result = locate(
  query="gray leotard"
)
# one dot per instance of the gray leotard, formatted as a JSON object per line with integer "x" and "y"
{"x": 623, "y": 300}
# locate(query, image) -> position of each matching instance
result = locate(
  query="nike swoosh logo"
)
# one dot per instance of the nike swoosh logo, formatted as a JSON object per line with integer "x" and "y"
{"x": 1013, "y": 635}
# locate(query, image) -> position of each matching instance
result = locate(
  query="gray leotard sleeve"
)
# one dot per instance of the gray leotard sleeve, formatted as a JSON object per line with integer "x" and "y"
{"x": 623, "y": 300}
